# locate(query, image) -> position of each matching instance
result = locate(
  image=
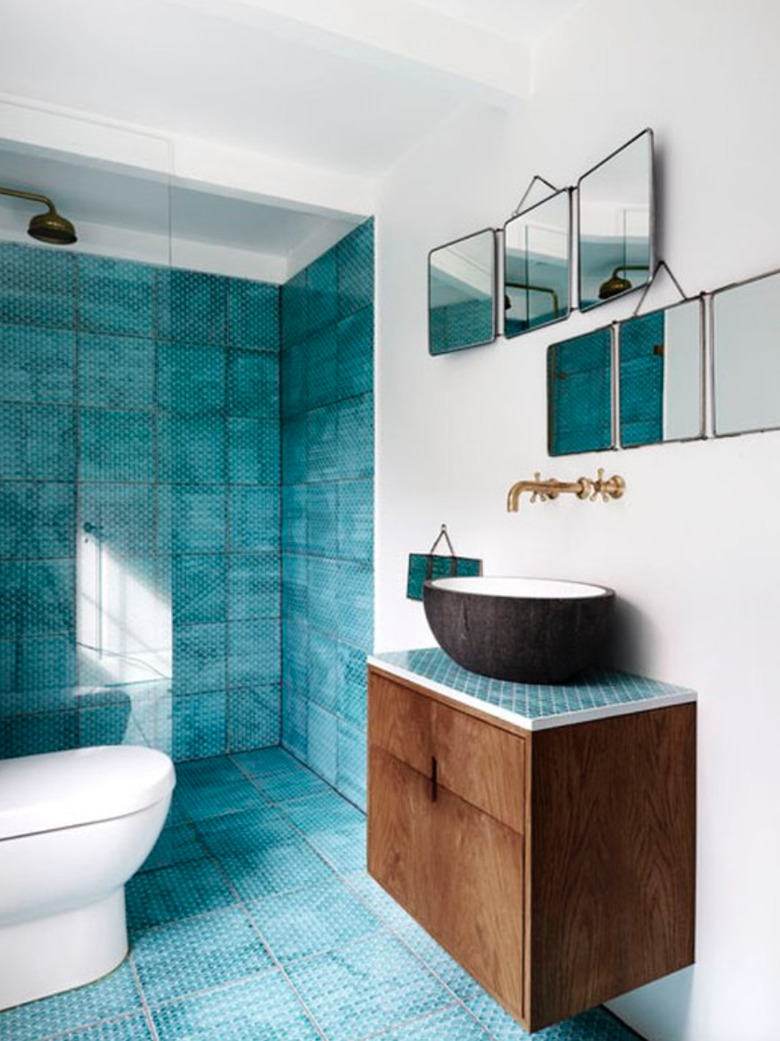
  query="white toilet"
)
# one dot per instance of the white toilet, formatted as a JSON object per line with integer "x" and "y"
{"x": 74, "y": 826}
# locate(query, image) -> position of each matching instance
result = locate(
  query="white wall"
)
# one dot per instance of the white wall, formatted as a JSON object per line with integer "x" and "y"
{"x": 692, "y": 549}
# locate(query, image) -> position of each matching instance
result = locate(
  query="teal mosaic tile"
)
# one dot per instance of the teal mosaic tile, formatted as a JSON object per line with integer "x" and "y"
{"x": 106, "y": 998}
{"x": 199, "y": 588}
{"x": 310, "y": 921}
{"x": 190, "y": 378}
{"x": 37, "y": 286}
{"x": 322, "y": 368}
{"x": 198, "y": 953}
{"x": 199, "y": 723}
{"x": 352, "y": 684}
{"x": 128, "y": 1028}
{"x": 324, "y": 676}
{"x": 293, "y": 381}
{"x": 294, "y": 308}
{"x": 275, "y": 869}
{"x": 355, "y": 453}
{"x": 454, "y": 1024}
{"x": 323, "y": 444}
{"x": 254, "y": 586}
{"x": 594, "y": 1025}
{"x": 253, "y": 315}
{"x": 207, "y": 772}
{"x": 355, "y": 262}
{"x": 366, "y": 987}
{"x": 253, "y": 384}
{"x": 37, "y": 442}
{"x": 355, "y": 354}
{"x": 267, "y": 761}
{"x": 321, "y": 522}
{"x": 322, "y": 292}
{"x": 254, "y": 717}
{"x": 323, "y": 742}
{"x": 295, "y": 588}
{"x": 352, "y": 772}
{"x": 37, "y": 663}
{"x": 192, "y": 306}
{"x": 280, "y": 787}
{"x": 199, "y": 653}
{"x": 596, "y": 688}
{"x": 355, "y": 523}
{"x": 37, "y": 519}
{"x": 191, "y": 519}
{"x": 254, "y": 451}
{"x": 178, "y": 844}
{"x": 355, "y": 604}
{"x": 34, "y": 733}
{"x": 202, "y": 801}
{"x": 38, "y": 365}
{"x": 380, "y": 902}
{"x": 295, "y": 655}
{"x": 439, "y": 962}
{"x": 119, "y": 724}
{"x": 323, "y": 813}
{"x": 120, "y": 518}
{"x": 295, "y": 721}
{"x": 268, "y": 1010}
{"x": 115, "y": 446}
{"x": 171, "y": 893}
{"x": 116, "y": 371}
{"x": 294, "y": 518}
{"x": 115, "y": 296}
{"x": 343, "y": 847}
{"x": 191, "y": 449}
{"x": 238, "y": 835}
{"x": 254, "y": 653}
{"x": 323, "y": 591}
{"x": 254, "y": 518}
{"x": 37, "y": 597}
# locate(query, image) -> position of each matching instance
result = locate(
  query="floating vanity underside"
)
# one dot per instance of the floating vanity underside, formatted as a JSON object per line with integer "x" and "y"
{"x": 544, "y": 835}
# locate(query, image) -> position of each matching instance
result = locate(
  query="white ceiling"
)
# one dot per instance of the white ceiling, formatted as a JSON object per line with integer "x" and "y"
{"x": 347, "y": 86}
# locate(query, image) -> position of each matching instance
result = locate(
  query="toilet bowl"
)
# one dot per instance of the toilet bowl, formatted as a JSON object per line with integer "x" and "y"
{"x": 74, "y": 826}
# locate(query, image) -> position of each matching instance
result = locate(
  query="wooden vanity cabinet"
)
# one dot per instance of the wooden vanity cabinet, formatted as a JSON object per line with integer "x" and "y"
{"x": 556, "y": 866}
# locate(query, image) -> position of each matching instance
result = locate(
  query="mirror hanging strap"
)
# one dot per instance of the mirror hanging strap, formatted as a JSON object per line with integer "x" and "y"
{"x": 661, "y": 264}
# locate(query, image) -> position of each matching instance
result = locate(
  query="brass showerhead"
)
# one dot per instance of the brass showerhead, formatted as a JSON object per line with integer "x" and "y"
{"x": 50, "y": 227}
{"x": 613, "y": 286}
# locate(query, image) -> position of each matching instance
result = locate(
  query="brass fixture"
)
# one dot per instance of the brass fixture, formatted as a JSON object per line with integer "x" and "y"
{"x": 584, "y": 488}
{"x": 531, "y": 289}
{"x": 615, "y": 285}
{"x": 48, "y": 227}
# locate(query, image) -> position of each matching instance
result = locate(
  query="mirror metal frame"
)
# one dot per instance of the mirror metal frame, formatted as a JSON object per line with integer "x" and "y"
{"x": 613, "y": 400}
{"x": 569, "y": 259}
{"x": 651, "y": 217}
{"x": 702, "y": 432}
{"x": 494, "y": 294}
{"x": 713, "y": 350}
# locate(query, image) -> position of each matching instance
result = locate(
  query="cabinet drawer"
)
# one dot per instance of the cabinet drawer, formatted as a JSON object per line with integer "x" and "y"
{"x": 482, "y": 763}
{"x": 458, "y": 871}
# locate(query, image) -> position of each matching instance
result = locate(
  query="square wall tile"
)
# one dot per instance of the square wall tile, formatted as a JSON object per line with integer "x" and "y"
{"x": 36, "y": 597}
{"x": 199, "y": 724}
{"x": 293, "y": 379}
{"x": 116, "y": 446}
{"x": 191, "y": 449}
{"x": 116, "y": 371}
{"x": 253, "y": 315}
{"x": 352, "y": 684}
{"x": 37, "y": 286}
{"x": 295, "y": 655}
{"x": 117, "y": 517}
{"x": 324, "y": 678}
{"x": 116, "y": 296}
{"x": 295, "y": 586}
{"x": 192, "y": 306}
{"x": 321, "y": 520}
{"x": 322, "y": 440}
{"x": 294, "y": 308}
{"x": 191, "y": 378}
{"x": 295, "y": 721}
{"x": 322, "y": 292}
{"x": 254, "y": 717}
{"x": 323, "y": 743}
{"x": 192, "y": 519}
{"x": 254, "y": 653}
{"x": 355, "y": 262}
{"x": 254, "y": 451}
{"x": 199, "y": 588}
{"x": 37, "y": 519}
{"x": 355, "y": 604}
{"x": 295, "y": 448}
{"x": 254, "y": 518}
{"x": 254, "y": 586}
{"x": 352, "y": 769}
{"x": 355, "y": 536}
{"x": 356, "y": 354}
{"x": 38, "y": 365}
{"x": 199, "y": 654}
{"x": 38, "y": 663}
{"x": 321, "y": 368}
{"x": 294, "y": 518}
{"x": 37, "y": 442}
{"x": 253, "y": 384}
{"x": 323, "y": 594}
{"x": 36, "y": 733}
{"x": 355, "y": 453}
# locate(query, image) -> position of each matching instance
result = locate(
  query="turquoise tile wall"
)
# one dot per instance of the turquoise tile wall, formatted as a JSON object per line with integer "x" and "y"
{"x": 139, "y": 432}
{"x": 327, "y": 436}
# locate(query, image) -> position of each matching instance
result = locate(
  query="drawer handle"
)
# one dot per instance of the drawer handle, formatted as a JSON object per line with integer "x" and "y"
{"x": 434, "y": 779}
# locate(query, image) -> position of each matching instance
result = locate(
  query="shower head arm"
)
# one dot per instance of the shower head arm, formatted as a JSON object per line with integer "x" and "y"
{"x": 17, "y": 194}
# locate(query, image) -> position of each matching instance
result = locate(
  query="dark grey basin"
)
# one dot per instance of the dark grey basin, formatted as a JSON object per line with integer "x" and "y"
{"x": 530, "y": 630}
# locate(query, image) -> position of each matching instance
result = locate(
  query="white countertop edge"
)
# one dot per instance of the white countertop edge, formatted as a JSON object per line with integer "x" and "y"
{"x": 561, "y": 719}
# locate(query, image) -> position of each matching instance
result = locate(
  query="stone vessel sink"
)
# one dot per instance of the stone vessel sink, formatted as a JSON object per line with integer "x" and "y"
{"x": 529, "y": 630}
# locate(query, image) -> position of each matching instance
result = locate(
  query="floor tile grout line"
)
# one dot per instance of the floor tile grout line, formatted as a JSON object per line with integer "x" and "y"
{"x": 144, "y": 1001}
{"x": 402, "y": 1023}
{"x": 68, "y": 1032}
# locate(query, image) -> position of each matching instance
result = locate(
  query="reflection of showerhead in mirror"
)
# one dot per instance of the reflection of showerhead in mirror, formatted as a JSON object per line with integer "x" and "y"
{"x": 49, "y": 227}
{"x": 615, "y": 285}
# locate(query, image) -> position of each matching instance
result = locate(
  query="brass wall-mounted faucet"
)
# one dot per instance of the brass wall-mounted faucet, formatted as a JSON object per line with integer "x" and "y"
{"x": 584, "y": 488}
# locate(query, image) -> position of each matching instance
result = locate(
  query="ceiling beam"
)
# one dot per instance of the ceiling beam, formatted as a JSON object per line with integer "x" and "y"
{"x": 400, "y": 35}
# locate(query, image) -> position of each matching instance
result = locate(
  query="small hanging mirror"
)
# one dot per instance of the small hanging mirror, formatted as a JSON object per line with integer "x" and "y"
{"x": 461, "y": 293}
{"x": 579, "y": 394}
{"x": 616, "y": 223}
{"x": 537, "y": 264}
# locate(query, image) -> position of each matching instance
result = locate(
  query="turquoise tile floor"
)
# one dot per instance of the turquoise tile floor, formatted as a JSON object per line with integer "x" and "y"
{"x": 254, "y": 920}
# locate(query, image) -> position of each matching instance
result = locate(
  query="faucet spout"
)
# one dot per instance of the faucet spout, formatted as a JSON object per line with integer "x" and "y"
{"x": 551, "y": 488}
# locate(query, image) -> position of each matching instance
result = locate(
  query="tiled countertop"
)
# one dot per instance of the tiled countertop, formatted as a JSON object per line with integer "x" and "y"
{"x": 591, "y": 695}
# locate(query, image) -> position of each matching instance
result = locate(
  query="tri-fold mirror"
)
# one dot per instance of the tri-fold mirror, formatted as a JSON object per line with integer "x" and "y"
{"x": 637, "y": 382}
{"x": 461, "y": 293}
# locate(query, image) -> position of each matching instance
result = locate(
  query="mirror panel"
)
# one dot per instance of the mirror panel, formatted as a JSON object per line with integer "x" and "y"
{"x": 746, "y": 356}
{"x": 537, "y": 265}
{"x": 461, "y": 293}
{"x": 615, "y": 224}
{"x": 660, "y": 368}
{"x": 579, "y": 394}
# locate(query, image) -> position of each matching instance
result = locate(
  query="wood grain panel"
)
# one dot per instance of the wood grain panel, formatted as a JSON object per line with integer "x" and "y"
{"x": 399, "y": 720}
{"x": 612, "y": 861}
{"x": 481, "y": 763}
